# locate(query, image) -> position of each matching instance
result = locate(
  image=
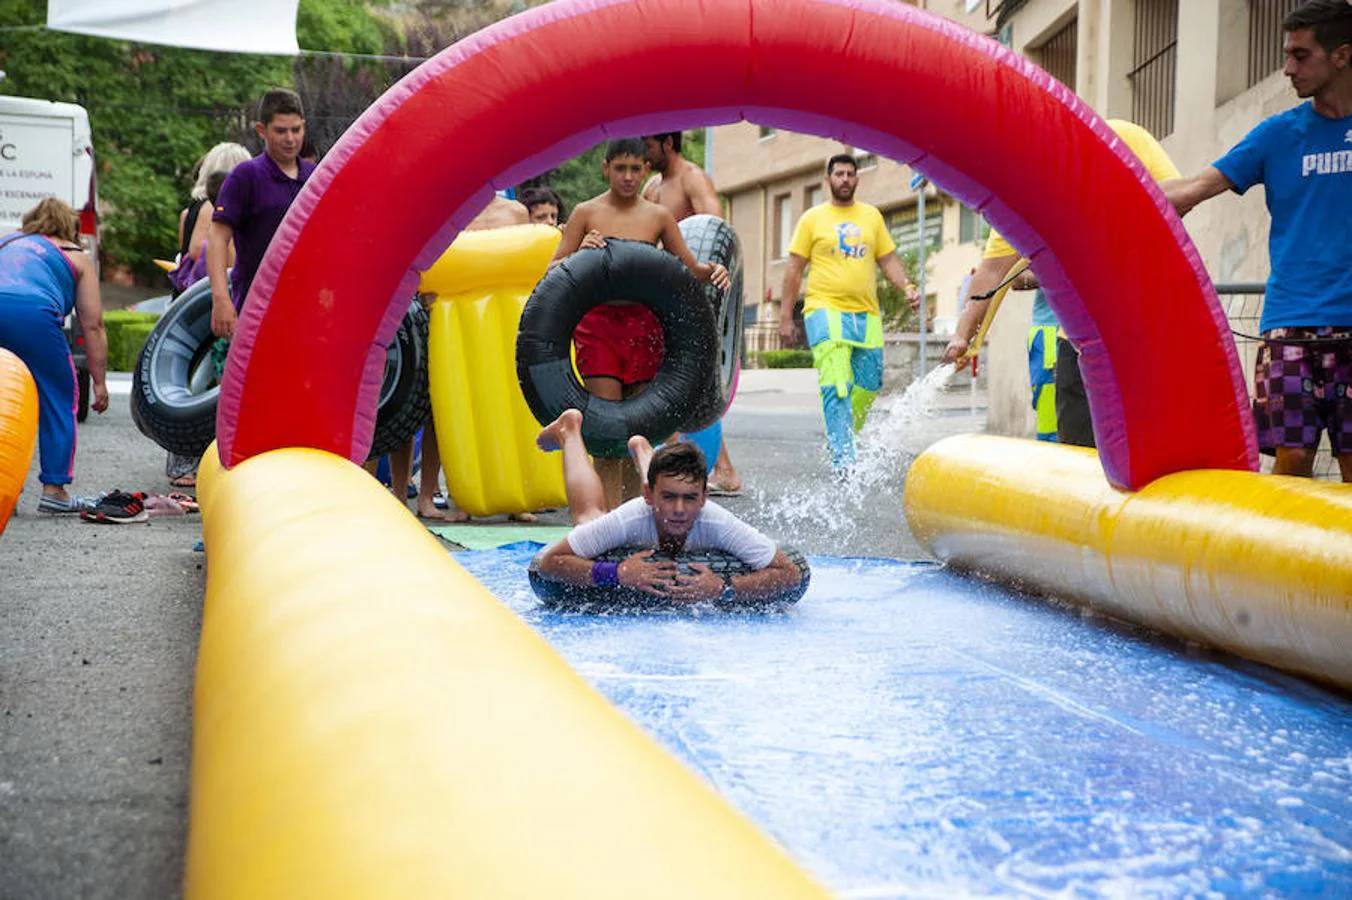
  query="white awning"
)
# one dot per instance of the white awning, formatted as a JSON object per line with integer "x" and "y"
{"x": 238, "y": 26}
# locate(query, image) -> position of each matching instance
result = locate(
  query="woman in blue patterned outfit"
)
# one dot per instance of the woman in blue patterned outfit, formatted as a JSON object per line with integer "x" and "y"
{"x": 44, "y": 274}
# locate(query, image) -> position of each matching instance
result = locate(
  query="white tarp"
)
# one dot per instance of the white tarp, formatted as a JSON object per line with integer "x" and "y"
{"x": 239, "y": 26}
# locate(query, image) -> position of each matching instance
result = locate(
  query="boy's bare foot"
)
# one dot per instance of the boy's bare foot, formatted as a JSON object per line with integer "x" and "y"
{"x": 552, "y": 436}
{"x": 527, "y": 518}
{"x": 428, "y": 510}
{"x": 641, "y": 449}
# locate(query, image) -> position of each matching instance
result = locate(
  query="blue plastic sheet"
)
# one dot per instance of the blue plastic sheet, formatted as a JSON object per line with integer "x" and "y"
{"x": 907, "y": 732}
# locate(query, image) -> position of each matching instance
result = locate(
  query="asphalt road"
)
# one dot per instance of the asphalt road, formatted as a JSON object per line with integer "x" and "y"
{"x": 99, "y": 627}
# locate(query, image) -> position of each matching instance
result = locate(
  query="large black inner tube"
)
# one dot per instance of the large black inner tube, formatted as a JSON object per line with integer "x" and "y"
{"x": 683, "y": 395}
{"x": 591, "y": 598}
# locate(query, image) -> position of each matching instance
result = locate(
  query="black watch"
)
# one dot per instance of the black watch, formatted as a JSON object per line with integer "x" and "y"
{"x": 729, "y": 592}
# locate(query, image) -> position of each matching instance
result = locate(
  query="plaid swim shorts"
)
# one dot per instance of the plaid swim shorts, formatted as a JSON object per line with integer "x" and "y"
{"x": 1303, "y": 387}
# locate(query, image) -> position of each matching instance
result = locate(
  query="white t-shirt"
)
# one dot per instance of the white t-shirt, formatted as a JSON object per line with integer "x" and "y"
{"x": 632, "y": 525}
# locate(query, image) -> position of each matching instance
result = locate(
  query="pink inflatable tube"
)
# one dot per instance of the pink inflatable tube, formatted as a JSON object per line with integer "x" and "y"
{"x": 985, "y": 124}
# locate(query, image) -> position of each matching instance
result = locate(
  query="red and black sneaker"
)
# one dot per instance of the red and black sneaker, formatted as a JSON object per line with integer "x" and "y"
{"x": 118, "y": 508}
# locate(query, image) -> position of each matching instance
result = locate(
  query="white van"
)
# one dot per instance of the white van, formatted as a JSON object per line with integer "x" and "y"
{"x": 47, "y": 150}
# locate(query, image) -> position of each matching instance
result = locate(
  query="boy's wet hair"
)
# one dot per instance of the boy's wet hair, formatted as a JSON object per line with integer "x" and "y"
{"x": 679, "y": 460}
{"x": 1330, "y": 20}
{"x": 625, "y": 147}
{"x": 279, "y": 102}
{"x": 663, "y": 135}
{"x": 842, "y": 159}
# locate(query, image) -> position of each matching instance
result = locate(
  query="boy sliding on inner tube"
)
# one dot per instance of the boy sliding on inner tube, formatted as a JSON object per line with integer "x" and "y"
{"x": 672, "y": 516}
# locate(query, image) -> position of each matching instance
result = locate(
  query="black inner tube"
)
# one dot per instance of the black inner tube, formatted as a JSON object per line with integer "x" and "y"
{"x": 591, "y": 598}
{"x": 682, "y": 396}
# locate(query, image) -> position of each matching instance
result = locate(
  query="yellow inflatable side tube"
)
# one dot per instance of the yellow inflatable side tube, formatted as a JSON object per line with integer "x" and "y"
{"x": 1260, "y": 565}
{"x": 370, "y": 722}
{"x": 18, "y": 430}
{"x": 484, "y": 427}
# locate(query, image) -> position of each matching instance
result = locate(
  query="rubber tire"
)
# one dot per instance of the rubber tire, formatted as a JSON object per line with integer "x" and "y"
{"x": 713, "y": 240}
{"x": 595, "y": 599}
{"x": 405, "y": 400}
{"x": 683, "y": 395}
{"x": 162, "y": 405}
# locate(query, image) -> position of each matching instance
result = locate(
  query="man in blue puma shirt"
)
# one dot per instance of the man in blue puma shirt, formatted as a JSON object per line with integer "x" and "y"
{"x": 1303, "y": 159}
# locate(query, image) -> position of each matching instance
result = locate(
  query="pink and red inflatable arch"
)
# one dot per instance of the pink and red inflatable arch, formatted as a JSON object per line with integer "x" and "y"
{"x": 531, "y": 91}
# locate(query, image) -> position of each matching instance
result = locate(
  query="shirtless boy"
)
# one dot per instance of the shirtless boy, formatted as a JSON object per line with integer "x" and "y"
{"x": 619, "y": 343}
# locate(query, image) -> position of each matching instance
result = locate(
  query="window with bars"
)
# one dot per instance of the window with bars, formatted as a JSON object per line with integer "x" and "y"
{"x": 904, "y": 224}
{"x": 783, "y": 224}
{"x": 1154, "y": 65}
{"x": 1057, "y": 54}
{"x": 1266, "y": 36}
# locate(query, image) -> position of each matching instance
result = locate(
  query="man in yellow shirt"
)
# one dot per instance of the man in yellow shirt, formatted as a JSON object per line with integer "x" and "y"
{"x": 846, "y": 243}
{"x": 1068, "y": 415}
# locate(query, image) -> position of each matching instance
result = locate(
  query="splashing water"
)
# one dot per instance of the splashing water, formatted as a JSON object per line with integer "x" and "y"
{"x": 883, "y": 455}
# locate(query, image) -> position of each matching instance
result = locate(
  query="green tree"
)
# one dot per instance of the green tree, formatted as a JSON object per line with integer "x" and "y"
{"x": 155, "y": 110}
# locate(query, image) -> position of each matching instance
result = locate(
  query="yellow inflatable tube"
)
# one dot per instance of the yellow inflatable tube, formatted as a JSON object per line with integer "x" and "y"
{"x": 484, "y": 427}
{"x": 1259, "y": 565}
{"x": 370, "y": 722}
{"x": 18, "y": 430}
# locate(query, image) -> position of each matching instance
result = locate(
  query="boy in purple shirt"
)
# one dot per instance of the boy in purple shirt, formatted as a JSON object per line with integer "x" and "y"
{"x": 252, "y": 203}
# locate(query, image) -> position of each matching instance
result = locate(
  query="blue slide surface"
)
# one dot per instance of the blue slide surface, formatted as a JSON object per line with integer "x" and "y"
{"x": 908, "y": 732}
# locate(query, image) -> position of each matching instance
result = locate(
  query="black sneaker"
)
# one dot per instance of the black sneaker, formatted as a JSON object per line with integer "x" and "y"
{"x": 118, "y": 508}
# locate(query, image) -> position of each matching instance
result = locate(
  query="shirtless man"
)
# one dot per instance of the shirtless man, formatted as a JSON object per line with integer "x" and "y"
{"x": 619, "y": 343}
{"x": 499, "y": 213}
{"x": 687, "y": 190}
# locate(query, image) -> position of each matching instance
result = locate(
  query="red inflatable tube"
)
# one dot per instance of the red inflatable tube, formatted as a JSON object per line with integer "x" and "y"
{"x": 528, "y": 92}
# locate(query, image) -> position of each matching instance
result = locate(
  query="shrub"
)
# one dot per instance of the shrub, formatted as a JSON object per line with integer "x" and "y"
{"x": 127, "y": 332}
{"x": 784, "y": 359}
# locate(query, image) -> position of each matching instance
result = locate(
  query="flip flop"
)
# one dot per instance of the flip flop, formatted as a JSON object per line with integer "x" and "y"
{"x": 183, "y": 481}
{"x": 718, "y": 490}
{"x": 186, "y": 501}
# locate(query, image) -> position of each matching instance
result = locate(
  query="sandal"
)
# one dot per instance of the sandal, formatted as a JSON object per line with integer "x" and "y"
{"x": 187, "y": 502}
{"x": 183, "y": 481}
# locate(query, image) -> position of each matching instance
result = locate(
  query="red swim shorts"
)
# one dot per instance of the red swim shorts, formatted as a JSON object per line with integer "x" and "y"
{"x": 623, "y": 342}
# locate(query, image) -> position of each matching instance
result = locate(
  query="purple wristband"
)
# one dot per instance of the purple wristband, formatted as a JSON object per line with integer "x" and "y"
{"x": 606, "y": 574}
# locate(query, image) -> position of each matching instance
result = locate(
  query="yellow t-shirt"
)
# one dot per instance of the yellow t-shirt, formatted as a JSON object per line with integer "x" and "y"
{"x": 842, "y": 244}
{"x": 1147, "y": 150}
